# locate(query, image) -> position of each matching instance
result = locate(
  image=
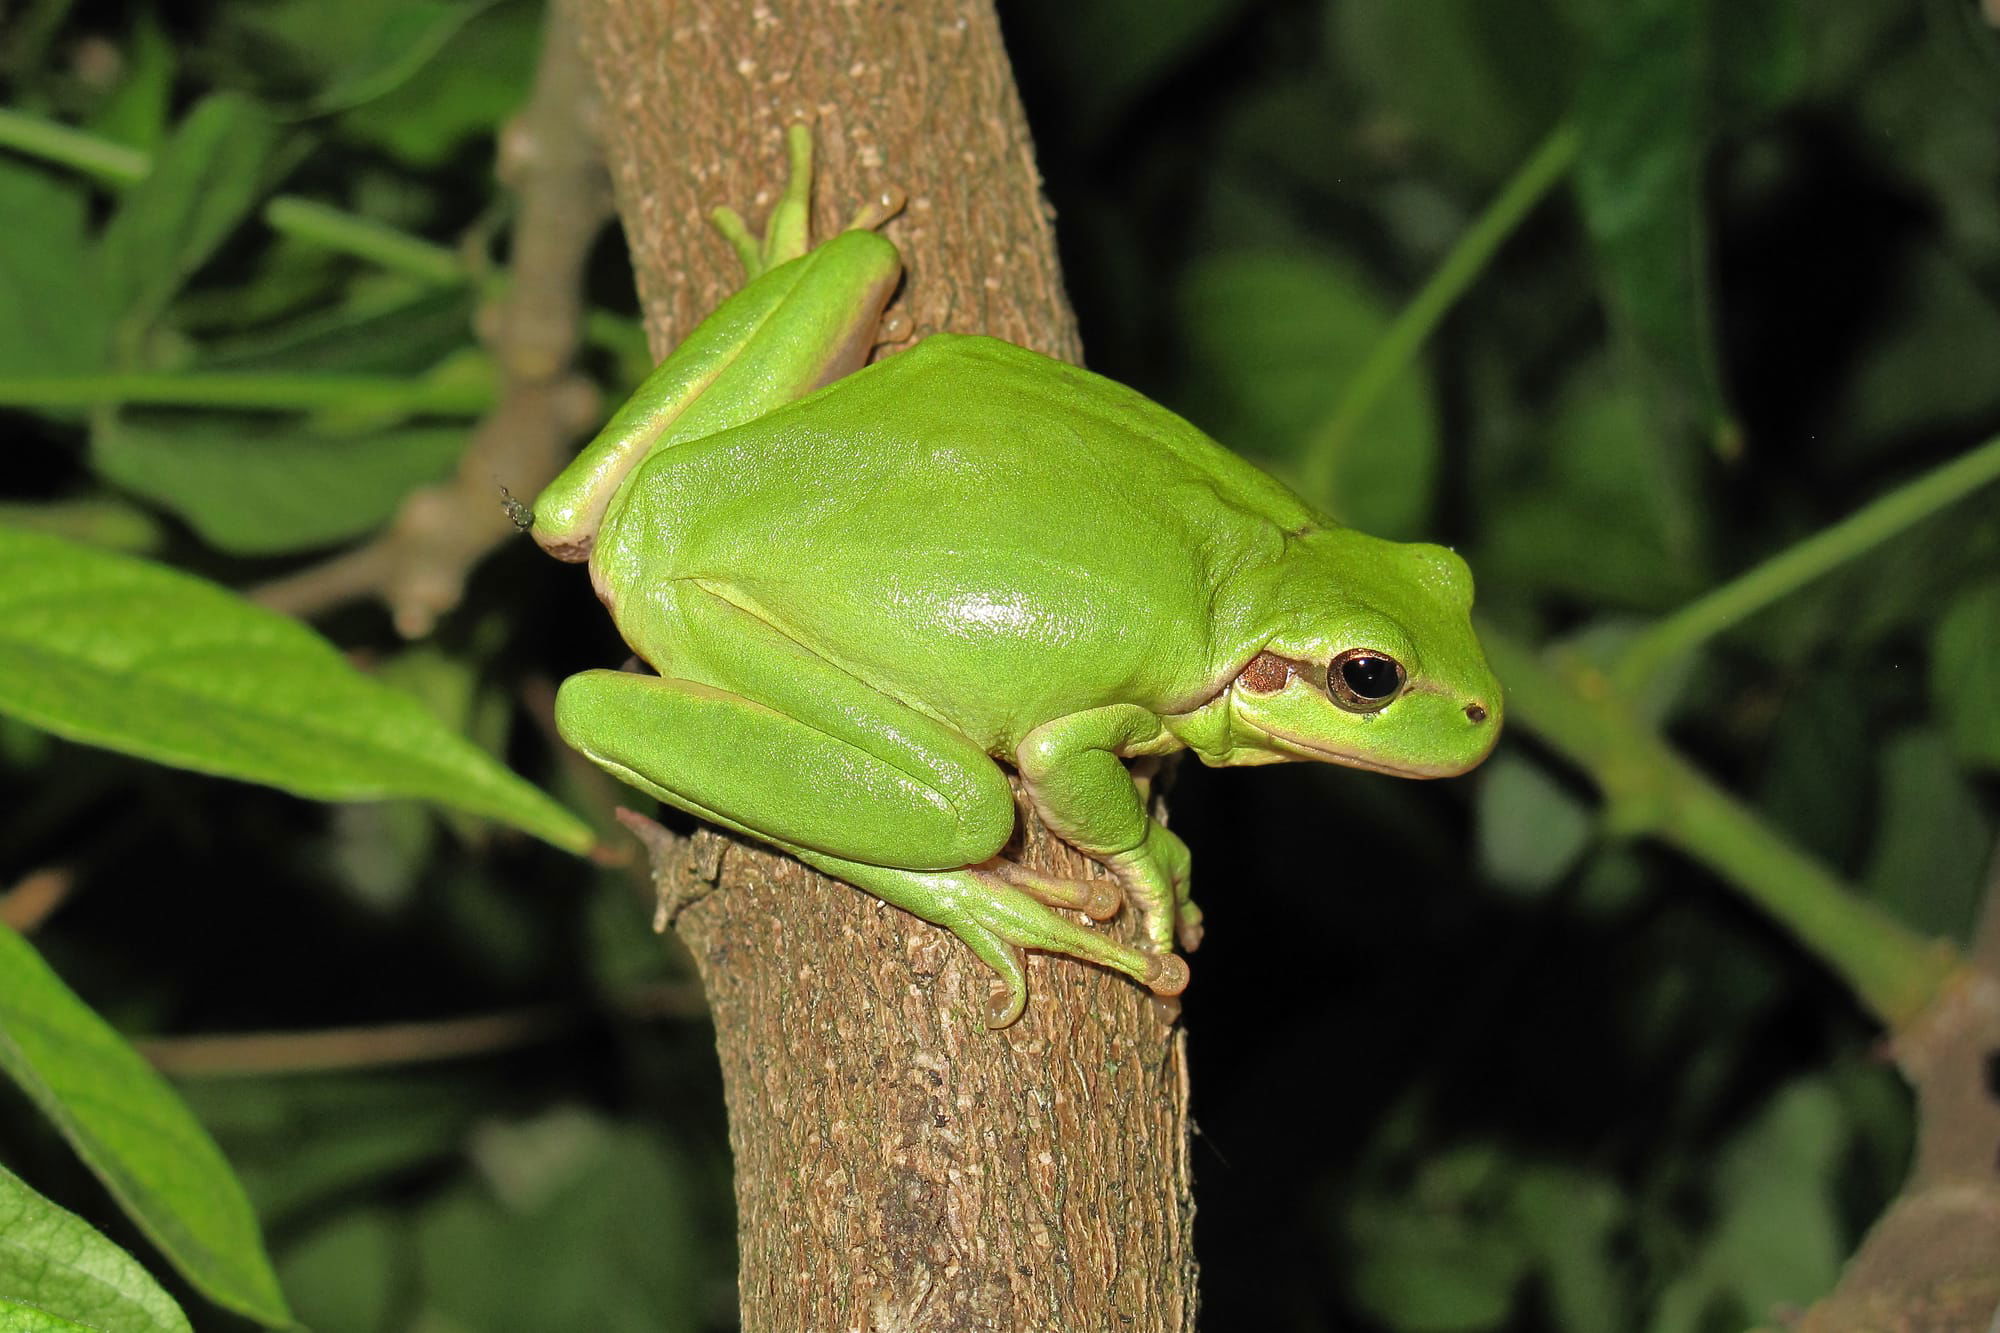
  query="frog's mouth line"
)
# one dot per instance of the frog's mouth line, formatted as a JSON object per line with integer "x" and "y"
{"x": 1347, "y": 760}
{"x": 1307, "y": 750}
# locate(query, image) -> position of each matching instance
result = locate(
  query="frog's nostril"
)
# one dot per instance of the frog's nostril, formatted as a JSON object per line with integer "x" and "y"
{"x": 1475, "y": 713}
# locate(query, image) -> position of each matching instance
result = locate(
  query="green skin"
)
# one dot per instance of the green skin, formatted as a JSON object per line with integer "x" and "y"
{"x": 862, "y": 587}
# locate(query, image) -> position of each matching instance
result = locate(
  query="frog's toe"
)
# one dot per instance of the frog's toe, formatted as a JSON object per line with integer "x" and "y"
{"x": 878, "y": 209}
{"x": 1188, "y": 927}
{"x": 1166, "y": 974}
{"x": 1098, "y": 899}
{"x": 1004, "y": 1007}
{"x": 1104, "y": 901}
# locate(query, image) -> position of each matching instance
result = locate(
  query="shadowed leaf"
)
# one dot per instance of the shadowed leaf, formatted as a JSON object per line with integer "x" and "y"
{"x": 133, "y": 1131}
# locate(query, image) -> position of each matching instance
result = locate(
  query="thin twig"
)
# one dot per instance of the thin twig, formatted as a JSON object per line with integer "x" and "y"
{"x": 322, "y": 1050}
{"x": 420, "y": 563}
{"x": 1651, "y": 790}
{"x": 35, "y": 897}
{"x": 1468, "y": 258}
{"x": 1801, "y": 563}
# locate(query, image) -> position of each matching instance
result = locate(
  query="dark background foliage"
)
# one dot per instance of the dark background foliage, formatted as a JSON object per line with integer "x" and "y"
{"x": 1465, "y": 1059}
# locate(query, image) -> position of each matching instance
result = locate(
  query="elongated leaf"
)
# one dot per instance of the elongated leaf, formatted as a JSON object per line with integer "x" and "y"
{"x": 1274, "y": 340}
{"x": 1642, "y": 113}
{"x": 136, "y": 657}
{"x": 133, "y": 1131}
{"x": 408, "y": 38}
{"x": 203, "y": 182}
{"x": 474, "y": 83}
{"x": 51, "y": 318}
{"x": 60, "y": 1264}
{"x": 1965, "y": 673}
{"x": 252, "y": 488}
{"x": 1933, "y": 838}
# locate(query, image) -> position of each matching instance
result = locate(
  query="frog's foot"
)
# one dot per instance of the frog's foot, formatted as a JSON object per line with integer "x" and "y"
{"x": 997, "y": 920}
{"x": 1155, "y": 876}
{"x": 1187, "y": 928}
{"x": 887, "y": 203}
{"x": 1098, "y": 899}
{"x": 788, "y": 231}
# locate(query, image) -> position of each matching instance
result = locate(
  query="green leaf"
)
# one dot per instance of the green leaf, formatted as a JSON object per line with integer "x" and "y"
{"x": 1924, "y": 109}
{"x": 60, "y": 1264}
{"x": 587, "y": 1225}
{"x": 204, "y": 181}
{"x": 1442, "y": 1255}
{"x": 27, "y": 1319}
{"x": 1605, "y": 508}
{"x": 1965, "y": 673}
{"x": 1909, "y": 378}
{"x": 349, "y": 1273}
{"x": 1641, "y": 113}
{"x": 130, "y": 1128}
{"x": 304, "y": 1144}
{"x": 409, "y": 337}
{"x": 143, "y": 659}
{"x": 1532, "y": 830}
{"x": 1817, "y": 781}
{"x": 51, "y": 312}
{"x": 1932, "y": 838}
{"x": 1482, "y": 81}
{"x": 96, "y": 520}
{"x": 481, "y": 78}
{"x": 1274, "y": 339}
{"x": 1571, "y": 1219}
{"x": 251, "y": 488}
{"x": 1777, "y": 1237}
{"x": 135, "y": 112}
{"x": 408, "y": 38}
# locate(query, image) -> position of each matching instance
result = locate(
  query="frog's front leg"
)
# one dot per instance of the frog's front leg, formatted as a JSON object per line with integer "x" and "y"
{"x": 1075, "y": 774}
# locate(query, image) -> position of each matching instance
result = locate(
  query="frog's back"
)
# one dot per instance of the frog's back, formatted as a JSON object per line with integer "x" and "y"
{"x": 969, "y": 507}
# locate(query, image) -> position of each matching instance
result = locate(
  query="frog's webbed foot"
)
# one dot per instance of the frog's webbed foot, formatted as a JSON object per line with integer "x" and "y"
{"x": 788, "y": 231}
{"x": 997, "y": 916}
{"x": 1156, "y": 875}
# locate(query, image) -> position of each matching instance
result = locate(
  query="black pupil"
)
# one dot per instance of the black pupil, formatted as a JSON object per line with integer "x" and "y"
{"x": 1370, "y": 677}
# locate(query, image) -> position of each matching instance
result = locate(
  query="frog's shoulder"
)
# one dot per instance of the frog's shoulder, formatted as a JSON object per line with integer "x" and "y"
{"x": 985, "y": 375}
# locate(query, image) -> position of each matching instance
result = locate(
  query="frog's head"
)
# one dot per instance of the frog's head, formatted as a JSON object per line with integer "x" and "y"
{"x": 1371, "y": 663}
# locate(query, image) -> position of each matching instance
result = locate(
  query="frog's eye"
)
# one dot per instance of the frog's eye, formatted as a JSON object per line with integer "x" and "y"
{"x": 1362, "y": 680}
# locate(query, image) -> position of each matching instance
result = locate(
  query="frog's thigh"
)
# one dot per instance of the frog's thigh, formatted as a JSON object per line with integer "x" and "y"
{"x": 783, "y": 779}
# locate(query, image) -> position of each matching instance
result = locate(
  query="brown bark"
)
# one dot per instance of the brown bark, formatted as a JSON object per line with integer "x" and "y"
{"x": 1931, "y": 1262}
{"x": 898, "y": 1166}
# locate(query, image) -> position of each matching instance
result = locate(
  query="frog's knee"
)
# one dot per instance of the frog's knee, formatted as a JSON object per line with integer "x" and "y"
{"x": 984, "y": 820}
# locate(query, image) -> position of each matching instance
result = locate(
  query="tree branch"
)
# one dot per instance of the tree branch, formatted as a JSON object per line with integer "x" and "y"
{"x": 897, "y": 1164}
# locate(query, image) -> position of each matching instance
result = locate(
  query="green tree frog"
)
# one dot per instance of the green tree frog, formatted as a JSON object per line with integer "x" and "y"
{"x": 865, "y": 590}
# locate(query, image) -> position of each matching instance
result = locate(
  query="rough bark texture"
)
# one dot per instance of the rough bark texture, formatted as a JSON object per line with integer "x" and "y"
{"x": 898, "y": 1166}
